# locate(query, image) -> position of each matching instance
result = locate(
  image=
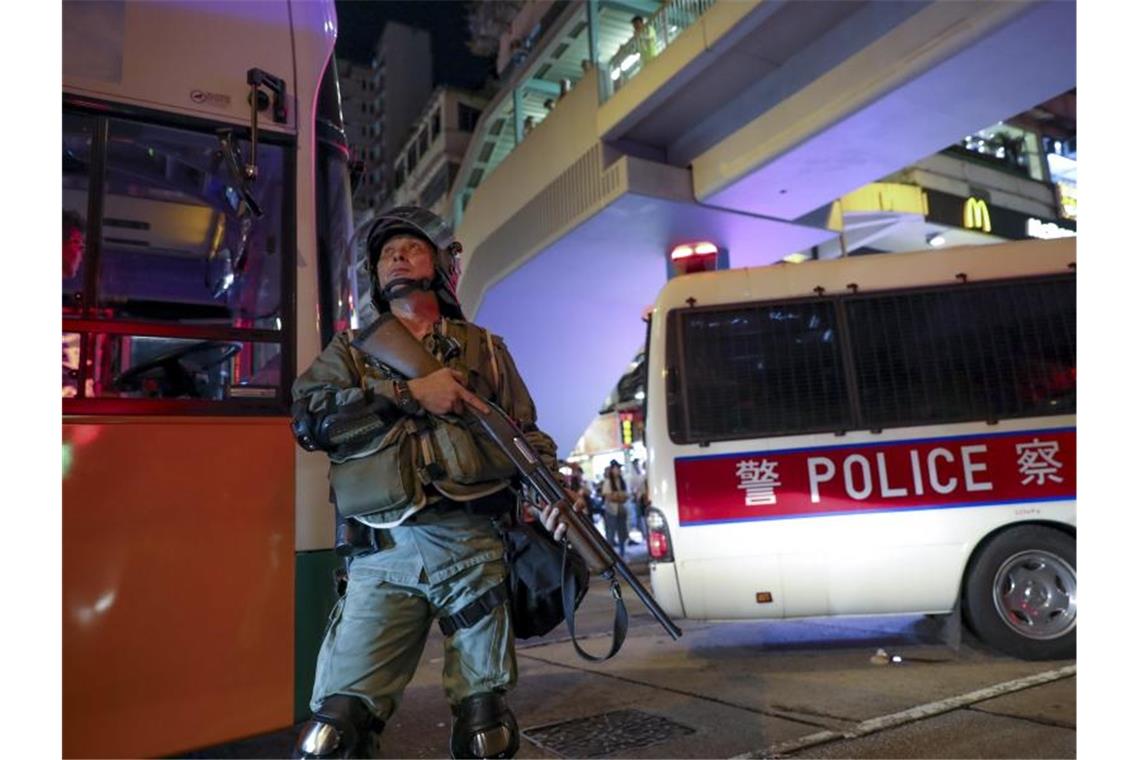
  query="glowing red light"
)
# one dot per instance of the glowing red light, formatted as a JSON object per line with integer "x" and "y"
{"x": 681, "y": 252}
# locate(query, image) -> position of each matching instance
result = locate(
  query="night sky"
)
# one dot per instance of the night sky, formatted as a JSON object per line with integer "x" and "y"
{"x": 361, "y": 21}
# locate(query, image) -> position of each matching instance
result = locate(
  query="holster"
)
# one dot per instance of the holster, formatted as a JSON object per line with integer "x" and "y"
{"x": 354, "y": 538}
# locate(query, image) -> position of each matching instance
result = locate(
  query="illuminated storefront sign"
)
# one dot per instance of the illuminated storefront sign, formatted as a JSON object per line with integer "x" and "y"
{"x": 976, "y": 215}
{"x": 1036, "y": 228}
{"x": 626, "y": 430}
{"x": 979, "y": 214}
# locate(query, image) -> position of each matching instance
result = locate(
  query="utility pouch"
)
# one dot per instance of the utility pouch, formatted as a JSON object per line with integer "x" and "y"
{"x": 384, "y": 481}
{"x": 466, "y": 457}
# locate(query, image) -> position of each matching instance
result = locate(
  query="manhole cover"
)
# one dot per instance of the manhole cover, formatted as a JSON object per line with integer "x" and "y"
{"x": 606, "y": 734}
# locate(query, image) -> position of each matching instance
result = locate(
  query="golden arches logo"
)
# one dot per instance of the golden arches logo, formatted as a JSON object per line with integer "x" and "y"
{"x": 976, "y": 215}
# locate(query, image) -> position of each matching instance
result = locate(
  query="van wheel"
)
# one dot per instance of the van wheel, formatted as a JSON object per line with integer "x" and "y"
{"x": 1021, "y": 594}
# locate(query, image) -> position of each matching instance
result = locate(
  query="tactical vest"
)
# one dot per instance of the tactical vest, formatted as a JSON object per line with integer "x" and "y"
{"x": 388, "y": 482}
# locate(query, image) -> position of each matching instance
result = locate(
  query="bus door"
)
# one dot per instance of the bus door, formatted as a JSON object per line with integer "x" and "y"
{"x": 178, "y": 512}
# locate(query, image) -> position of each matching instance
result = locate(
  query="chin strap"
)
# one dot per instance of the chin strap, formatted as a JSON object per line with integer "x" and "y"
{"x": 401, "y": 286}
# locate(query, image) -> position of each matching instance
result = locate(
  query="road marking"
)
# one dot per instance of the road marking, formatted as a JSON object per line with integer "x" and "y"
{"x": 913, "y": 714}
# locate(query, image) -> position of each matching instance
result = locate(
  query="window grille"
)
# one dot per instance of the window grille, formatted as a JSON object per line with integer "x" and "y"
{"x": 760, "y": 370}
{"x": 955, "y": 353}
{"x": 971, "y": 352}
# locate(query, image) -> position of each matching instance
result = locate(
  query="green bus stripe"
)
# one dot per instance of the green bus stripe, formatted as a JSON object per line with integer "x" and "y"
{"x": 314, "y": 598}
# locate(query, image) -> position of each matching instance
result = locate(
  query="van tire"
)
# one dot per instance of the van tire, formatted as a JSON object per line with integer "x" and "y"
{"x": 1021, "y": 593}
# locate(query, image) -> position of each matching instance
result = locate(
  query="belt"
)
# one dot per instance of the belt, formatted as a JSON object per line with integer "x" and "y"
{"x": 354, "y": 538}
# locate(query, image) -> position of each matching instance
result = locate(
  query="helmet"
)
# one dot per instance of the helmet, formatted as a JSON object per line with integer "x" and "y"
{"x": 421, "y": 223}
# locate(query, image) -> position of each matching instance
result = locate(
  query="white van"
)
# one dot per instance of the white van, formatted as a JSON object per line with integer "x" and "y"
{"x": 879, "y": 434}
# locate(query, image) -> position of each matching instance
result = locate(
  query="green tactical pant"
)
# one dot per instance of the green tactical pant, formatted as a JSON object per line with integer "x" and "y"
{"x": 377, "y": 633}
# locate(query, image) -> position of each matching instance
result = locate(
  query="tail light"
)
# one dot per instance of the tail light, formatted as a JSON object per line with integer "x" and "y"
{"x": 660, "y": 547}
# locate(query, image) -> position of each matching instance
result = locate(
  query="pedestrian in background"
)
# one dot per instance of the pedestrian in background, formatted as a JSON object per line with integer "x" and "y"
{"x": 637, "y": 490}
{"x": 616, "y": 494}
{"x": 646, "y": 39}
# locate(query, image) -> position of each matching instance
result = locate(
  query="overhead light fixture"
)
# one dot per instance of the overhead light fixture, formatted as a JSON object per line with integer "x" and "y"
{"x": 615, "y": 74}
{"x": 681, "y": 252}
{"x": 936, "y": 240}
{"x": 630, "y": 59}
{"x": 795, "y": 258}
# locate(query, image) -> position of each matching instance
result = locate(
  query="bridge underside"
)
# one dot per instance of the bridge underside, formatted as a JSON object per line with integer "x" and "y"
{"x": 572, "y": 315}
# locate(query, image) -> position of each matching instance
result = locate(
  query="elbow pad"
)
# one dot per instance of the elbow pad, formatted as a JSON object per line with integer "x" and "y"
{"x": 339, "y": 426}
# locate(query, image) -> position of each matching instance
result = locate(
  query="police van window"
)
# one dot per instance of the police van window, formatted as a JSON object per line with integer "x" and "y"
{"x": 180, "y": 242}
{"x": 982, "y": 352}
{"x": 751, "y": 371}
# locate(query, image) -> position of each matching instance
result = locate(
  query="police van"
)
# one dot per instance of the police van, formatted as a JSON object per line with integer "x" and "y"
{"x": 872, "y": 435}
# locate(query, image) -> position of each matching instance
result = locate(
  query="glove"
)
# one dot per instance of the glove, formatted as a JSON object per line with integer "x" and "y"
{"x": 304, "y": 425}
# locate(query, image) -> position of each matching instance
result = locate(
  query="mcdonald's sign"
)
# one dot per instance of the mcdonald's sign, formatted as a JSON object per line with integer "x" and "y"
{"x": 976, "y": 215}
{"x": 975, "y": 212}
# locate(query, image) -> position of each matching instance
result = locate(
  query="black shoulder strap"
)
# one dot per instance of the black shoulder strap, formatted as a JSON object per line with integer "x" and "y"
{"x": 621, "y": 617}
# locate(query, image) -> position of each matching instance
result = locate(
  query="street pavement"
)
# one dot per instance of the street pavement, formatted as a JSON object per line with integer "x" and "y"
{"x": 797, "y": 688}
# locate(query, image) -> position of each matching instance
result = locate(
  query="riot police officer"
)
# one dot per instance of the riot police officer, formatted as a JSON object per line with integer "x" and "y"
{"x": 422, "y": 491}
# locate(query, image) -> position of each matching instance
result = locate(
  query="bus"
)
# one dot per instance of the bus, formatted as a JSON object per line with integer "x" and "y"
{"x": 206, "y": 219}
{"x": 881, "y": 434}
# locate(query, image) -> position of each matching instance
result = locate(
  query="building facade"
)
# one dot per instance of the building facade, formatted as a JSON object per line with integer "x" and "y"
{"x": 381, "y": 101}
{"x": 428, "y": 162}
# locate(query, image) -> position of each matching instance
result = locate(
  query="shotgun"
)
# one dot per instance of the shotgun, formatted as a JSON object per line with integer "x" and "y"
{"x": 388, "y": 341}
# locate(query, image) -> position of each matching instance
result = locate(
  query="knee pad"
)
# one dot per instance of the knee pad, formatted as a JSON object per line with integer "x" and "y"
{"x": 343, "y": 727}
{"x": 484, "y": 727}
